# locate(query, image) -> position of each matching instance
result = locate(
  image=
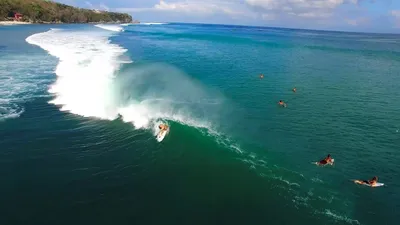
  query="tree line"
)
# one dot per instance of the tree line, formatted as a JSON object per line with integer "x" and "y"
{"x": 42, "y": 11}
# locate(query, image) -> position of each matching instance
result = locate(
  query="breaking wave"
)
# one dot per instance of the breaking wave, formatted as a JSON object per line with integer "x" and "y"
{"x": 115, "y": 28}
{"x": 93, "y": 81}
{"x": 153, "y": 23}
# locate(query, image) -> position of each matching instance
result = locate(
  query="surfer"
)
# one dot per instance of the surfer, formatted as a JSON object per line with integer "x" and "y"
{"x": 163, "y": 131}
{"x": 371, "y": 182}
{"x": 163, "y": 127}
{"x": 281, "y": 103}
{"x": 328, "y": 159}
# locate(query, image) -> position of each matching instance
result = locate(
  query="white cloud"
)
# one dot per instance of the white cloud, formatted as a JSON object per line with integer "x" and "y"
{"x": 268, "y": 17}
{"x": 306, "y": 13}
{"x": 396, "y": 15}
{"x": 201, "y": 7}
{"x": 300, "y": 8}
{"x": 312, "y": 14}
{"x": 187, "y": 7}
{"x": 263, "y": 9}
{"x": 104, "y": 7}
{"x": 357, "y": 21}
{"x": 90, "y": 5}
{"x": 296, "y": 4}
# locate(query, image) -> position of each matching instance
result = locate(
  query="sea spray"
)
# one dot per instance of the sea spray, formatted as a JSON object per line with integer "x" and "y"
{"x": 158, "y": 90}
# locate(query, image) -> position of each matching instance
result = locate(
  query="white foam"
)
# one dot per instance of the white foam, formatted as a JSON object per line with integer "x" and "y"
{"x": 109, "y": 27}
{"x": 154, "y": 23}
{"x": 21, "y": 79}
{"x": 340, "y": 218}
{"x": 87, "y": 82}
{"x": 86, "y": 67}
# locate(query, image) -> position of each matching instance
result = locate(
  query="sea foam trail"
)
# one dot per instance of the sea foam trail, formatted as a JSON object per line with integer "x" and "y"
{"x": 115, "y": 28}
{"x": 136, "y": 24}
{"x": 89, "y": 83}
{"x": 154, "y": 23}
{"x": 22, "y": 78}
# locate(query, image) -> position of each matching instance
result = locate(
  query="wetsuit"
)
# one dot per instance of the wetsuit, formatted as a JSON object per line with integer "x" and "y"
{"x": 323, "y": 162}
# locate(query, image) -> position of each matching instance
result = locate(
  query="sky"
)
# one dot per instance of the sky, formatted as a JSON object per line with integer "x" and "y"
{"x": 344, "y": 15}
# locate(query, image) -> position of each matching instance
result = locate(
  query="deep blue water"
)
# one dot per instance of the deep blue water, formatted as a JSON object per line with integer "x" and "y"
{"x": 79, "y": 107}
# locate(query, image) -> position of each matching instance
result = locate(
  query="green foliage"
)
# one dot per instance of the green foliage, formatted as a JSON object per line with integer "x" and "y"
{"x": 42, "y": 11}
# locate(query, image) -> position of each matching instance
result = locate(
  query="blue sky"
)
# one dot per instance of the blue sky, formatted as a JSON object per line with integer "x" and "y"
{"x": 348, "y": 15}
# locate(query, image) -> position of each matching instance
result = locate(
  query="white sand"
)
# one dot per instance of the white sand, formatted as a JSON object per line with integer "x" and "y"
{"x": 12, "y": 22}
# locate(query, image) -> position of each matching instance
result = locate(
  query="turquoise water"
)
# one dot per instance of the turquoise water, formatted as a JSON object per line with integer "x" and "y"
{"x": 79, "y": 107}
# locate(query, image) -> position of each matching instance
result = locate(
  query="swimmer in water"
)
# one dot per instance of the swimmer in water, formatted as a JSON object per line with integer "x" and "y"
{"x": 294, "y": 89}
{"x": 327, "y": 160}
{"x": 371, "y": 182}
{"x": 261, "y": 76}
{"x": 281, "y": 103}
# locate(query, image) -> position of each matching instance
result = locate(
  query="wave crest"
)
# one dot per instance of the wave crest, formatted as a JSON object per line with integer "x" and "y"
{"x": 115, "y": 28}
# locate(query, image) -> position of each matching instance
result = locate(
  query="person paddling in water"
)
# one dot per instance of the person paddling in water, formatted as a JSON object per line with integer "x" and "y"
{"x": 371, "y": 182}
{"x": 328, "y": 160}
{"x": 281, "y": 103}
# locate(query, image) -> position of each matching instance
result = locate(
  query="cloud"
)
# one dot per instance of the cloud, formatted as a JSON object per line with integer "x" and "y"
{"x": 312, "y": 14}
{"x": 358, "y": 21}
{"x": 102, "y": 6}
{"x": 299, "y": 8}
{"x": 89, "y": 4}
{"x": 199, "y": 7}
{"x": 187, "y": 7}
{"x": 396, "y": 15}
{"x": 268, "y": 17}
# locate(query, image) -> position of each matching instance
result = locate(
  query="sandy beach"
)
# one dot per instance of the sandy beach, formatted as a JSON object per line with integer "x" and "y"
{"x": 13, "y": 22}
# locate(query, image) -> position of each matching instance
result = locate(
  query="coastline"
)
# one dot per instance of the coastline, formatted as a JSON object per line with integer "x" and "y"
{"x": 8, "y": 23}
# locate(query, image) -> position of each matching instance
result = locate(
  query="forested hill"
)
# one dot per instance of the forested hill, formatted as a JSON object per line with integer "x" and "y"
{"x": 45, "y": 11}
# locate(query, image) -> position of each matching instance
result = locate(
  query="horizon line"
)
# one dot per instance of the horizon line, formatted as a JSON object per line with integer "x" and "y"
{"x": 288, "y": 28}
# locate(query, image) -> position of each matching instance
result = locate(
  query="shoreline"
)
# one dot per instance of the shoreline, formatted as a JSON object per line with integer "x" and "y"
{"x": 9, "y": 23}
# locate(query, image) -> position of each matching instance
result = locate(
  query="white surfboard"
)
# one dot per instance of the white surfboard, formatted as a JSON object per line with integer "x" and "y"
{"x": 376, "y": 185}
{"x": 317, "y": 163}
{"x": 161, "y": 135}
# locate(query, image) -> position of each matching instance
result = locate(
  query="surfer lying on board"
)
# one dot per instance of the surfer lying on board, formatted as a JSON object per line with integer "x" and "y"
{"x": 371, "y": 182}
{"x": 281, "y": 103}
{"x": 163, "y": 127}
{"x": 328, "y": 159}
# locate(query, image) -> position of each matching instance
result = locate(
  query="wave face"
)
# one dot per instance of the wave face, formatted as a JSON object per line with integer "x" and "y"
{"x": 90, "y": 83}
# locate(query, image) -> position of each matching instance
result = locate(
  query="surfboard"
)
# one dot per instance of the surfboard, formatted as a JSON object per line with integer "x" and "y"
{"x": 376, "y": 185}
{"x": 161, "y": 135}
{"x": 362, "y": 183}
{"x": 318, "y": 164}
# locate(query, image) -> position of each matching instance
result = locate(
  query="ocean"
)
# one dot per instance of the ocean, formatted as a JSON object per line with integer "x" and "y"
{"x": 80, "y": 106}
